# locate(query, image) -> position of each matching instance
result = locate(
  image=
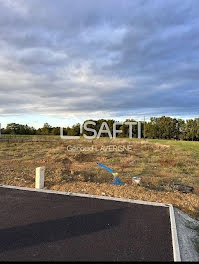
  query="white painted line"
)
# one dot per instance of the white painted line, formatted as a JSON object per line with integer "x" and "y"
{"x": 176, "y": 248}
{"x": 175, "y": 244}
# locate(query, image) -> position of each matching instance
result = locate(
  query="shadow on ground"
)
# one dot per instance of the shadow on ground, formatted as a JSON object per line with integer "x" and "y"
{"x": 59, "y": 229}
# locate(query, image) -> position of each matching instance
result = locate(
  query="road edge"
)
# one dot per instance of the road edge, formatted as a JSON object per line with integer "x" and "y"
{"x": 175, "y": 241}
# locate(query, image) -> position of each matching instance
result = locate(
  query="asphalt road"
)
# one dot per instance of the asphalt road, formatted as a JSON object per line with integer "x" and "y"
{"x": 39, "y": 226}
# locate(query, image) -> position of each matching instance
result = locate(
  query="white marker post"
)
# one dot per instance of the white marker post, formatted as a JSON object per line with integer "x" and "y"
{"x": 39, "y": 179}
{"x": 139, "y": 129}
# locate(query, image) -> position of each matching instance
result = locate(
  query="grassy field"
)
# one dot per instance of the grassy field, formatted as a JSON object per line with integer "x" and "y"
{"x": 160, "y": 164}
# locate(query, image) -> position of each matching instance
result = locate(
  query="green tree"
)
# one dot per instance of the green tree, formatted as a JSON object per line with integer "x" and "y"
{"x": 46, "y": 130}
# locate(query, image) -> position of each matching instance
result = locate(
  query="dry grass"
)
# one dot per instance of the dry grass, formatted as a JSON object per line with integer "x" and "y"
{"x": 160, "y": 164}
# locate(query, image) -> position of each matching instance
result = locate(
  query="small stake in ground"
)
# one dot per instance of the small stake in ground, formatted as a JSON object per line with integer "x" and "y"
{"x": 39, "y": 179}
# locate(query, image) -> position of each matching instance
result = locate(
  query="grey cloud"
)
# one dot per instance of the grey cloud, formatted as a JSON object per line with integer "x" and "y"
{"x": 63, "y": 57}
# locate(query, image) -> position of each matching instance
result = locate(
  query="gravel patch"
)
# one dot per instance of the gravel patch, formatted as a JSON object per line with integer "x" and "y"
{"x": 186, "y": 236}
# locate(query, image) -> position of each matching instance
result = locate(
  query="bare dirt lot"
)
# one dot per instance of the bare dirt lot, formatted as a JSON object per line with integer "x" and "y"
{"x": 159, "y": 163}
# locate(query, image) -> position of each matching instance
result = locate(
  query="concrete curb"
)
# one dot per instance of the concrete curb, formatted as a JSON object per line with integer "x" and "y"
{"x": 176, "y": 248}
{"x": 175, "y": 243}
{"x": 86, "y": 195}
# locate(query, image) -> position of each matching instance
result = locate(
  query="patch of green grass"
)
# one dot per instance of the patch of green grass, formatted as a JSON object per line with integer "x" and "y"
{"x": 192, "y": 146}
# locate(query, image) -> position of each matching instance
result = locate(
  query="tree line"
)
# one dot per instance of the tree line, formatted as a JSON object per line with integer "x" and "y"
{"x": 157, "y": 128}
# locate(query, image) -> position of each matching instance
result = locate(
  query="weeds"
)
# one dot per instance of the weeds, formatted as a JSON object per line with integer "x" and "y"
{"x": 160, "y": 164}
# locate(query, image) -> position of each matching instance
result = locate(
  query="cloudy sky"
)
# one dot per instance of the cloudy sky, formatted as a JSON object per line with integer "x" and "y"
{"x": 62, "y": 61}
